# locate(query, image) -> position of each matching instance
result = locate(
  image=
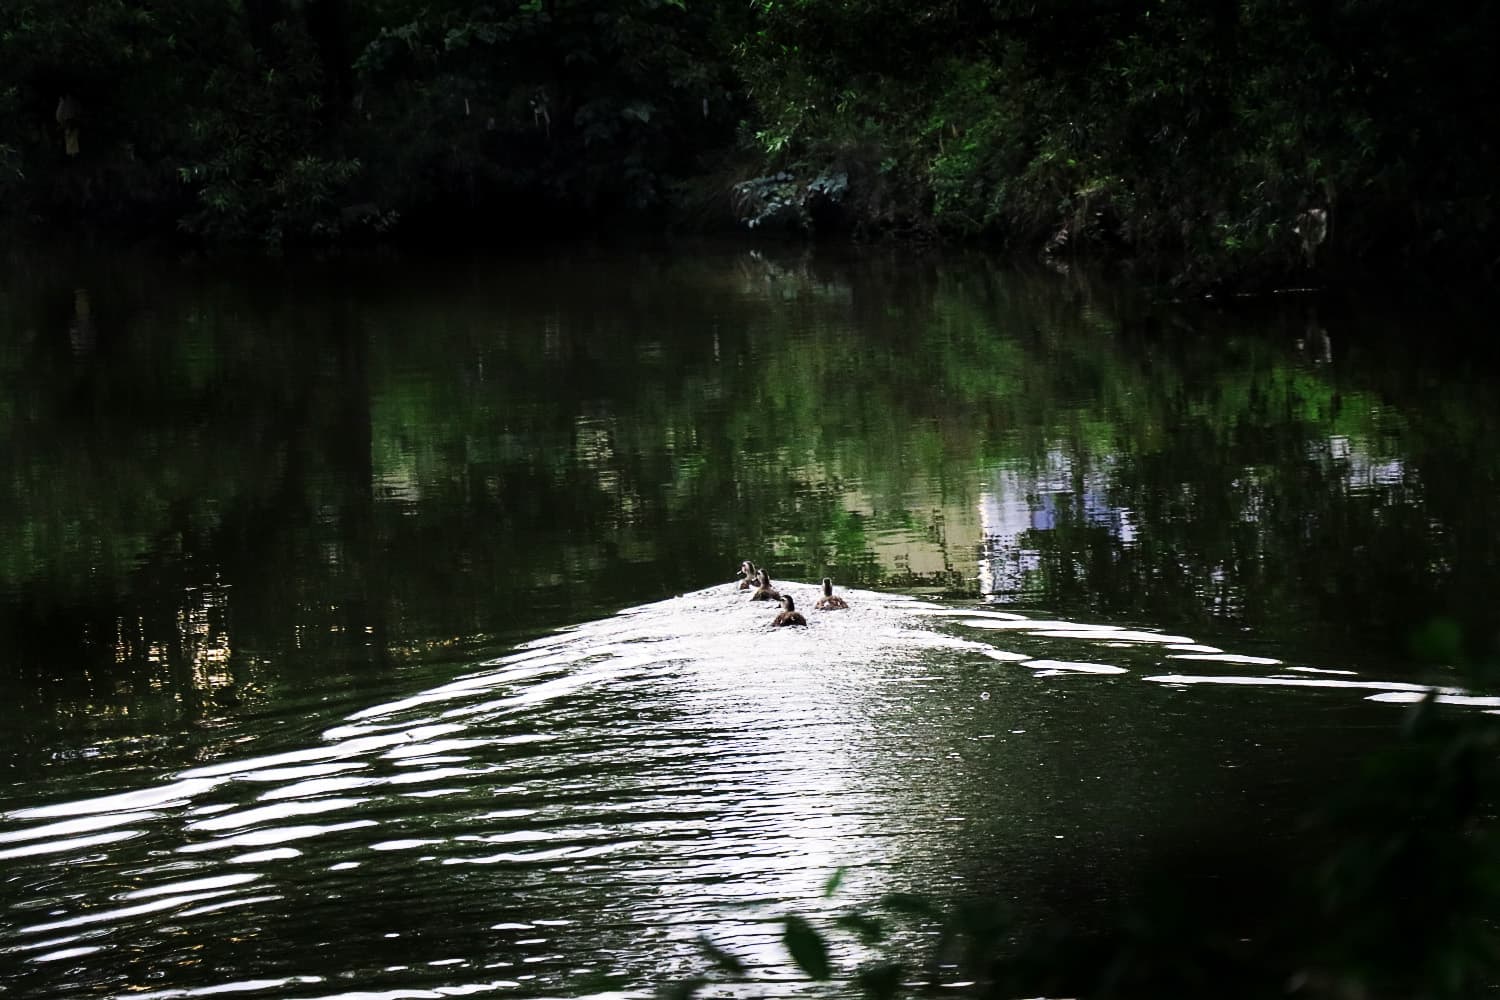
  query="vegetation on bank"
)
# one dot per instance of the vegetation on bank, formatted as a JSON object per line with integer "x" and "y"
{"x": 1251, "y": 141}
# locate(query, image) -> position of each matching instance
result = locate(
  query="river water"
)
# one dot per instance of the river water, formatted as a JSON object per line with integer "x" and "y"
{"x": 368, "y": 628}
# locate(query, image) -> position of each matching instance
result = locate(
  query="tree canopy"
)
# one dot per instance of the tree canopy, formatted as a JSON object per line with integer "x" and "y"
{"x": 1249, "y": 141}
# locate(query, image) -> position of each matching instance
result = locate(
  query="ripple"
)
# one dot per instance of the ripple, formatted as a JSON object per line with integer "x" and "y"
{"x": 617, "y": 787}
{"x": 271, "y": 814}
{"x": 261, "y": 857}
{"x": 194, "y": 885}
{"x": 119, "y": 914}
{"x": 177, "y": 793}
{"x": 1409, "y": 697}
{"x": 67, "y": 953}
{"x": 1302, "y": 682}
{"x": 1227, "y": 658}
{"x": 67, "y": 828}
{"x": 69, "y": 844}
{"x": 1055, "y": 668}
{"x": 244, "y": 986}
{"x": 276, "y": 835}
{"x": 314, "y": 787}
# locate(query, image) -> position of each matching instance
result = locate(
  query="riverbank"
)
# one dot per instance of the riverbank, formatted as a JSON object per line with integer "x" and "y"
{"x": 1247, "y": 147}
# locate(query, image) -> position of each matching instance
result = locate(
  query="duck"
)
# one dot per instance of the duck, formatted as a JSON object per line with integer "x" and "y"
{"x": 747, "y": 570}
{"x": 789, "y": 613}
{"x": 828, "y": 602}
{"x": 765, "y": 592}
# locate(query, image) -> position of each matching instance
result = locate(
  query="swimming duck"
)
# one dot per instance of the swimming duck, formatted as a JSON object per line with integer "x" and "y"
{"x": 789, "y": 614}
{"x": 765, "y": 592}
{"x": 828, "y": 602}
{"x": 747, "y": 570}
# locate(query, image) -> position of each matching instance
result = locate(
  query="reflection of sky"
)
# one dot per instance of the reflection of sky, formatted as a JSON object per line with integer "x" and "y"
{"x": 1040, "y": 499}
{"x": 1363, "y": 470}
{"x": 1045, "y": 497}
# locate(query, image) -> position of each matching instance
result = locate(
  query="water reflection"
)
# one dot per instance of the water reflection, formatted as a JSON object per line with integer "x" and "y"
{"x": 257, "y": 528}
{"x": 607, "y": 794}
{"x": 239, "y": 477}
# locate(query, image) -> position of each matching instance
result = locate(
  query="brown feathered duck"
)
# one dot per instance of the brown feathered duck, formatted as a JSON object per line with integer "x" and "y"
{"x": 747, "y": 570}
{"x": 828, "y": 602}
{"x": 765, "y": 592}
{"x": 789, "y": 613}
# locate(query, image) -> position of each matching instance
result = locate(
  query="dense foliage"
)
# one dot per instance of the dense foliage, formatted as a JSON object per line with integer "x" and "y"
{"x": 298, "y": 120}
{"x": 1249, "y": 140}
{"x": 1206, "y": 134}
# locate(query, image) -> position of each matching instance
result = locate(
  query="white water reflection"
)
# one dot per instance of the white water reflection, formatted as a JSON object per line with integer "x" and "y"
{"x": 1254, "y": 661}
{"x": 1060, "y": 668}
{"x": 626, "y": 784}
{"x": 1419, "y": 691}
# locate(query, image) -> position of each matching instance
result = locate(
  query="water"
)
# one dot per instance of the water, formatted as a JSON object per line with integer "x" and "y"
{"x": 285, "y": 546}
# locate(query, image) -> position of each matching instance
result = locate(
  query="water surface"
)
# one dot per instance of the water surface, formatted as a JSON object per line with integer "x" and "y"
{"x": 282, "y": 547}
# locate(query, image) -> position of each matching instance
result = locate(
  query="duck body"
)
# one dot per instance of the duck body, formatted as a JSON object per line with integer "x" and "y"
{"x": 765, "y": 592}
{"x": 789, "y": 614}
{"x": 828, "y": 602}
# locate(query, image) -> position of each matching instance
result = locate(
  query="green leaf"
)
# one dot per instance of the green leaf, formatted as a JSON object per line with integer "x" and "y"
{"x": 807, "y": 947}
{"x": 911, "y": 905}
{"x": 880, "y": 982}
{"x": 834, "y": 881}
{"x": 1438, "y": 640}
{"x": 722, "y": 960}
{"x": 685, "y": 990}
{"x": 870, "y": 930}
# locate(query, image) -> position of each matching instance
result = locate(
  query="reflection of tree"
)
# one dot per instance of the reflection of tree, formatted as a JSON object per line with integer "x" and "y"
{"x": 1267, "y": 495}
{"x": 353, "y": 467}
{"x": 147, "y": 484}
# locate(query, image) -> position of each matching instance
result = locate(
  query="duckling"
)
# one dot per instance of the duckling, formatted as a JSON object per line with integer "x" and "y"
{"x": 747, "y": 570}
{"x": 828, "y": 602}
{"x": 789, "y": 614}
{"x": 765, "y": 592}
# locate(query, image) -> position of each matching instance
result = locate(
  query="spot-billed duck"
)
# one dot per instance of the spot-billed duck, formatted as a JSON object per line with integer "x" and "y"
{"x": 828, "y": 602}
{"x": 765, "y": 592}
{"x": 789, "y": 614}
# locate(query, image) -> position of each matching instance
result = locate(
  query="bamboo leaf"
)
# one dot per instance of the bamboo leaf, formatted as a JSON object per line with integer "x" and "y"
{"x": 721, "y": 959}
{"x": 911, "y": 905}
{"x": 880, "y": 982}
{"x": 870, "y": 930}
{"x": 807, "y": 947}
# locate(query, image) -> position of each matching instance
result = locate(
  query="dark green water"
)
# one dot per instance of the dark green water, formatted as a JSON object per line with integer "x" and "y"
{"x": 257, "y": 521}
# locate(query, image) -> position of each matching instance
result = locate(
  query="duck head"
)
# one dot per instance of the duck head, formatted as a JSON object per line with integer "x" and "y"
{"x": 787, "y": 603}
{"x": 764, "y": 578}
{"x": 827, "y": 587}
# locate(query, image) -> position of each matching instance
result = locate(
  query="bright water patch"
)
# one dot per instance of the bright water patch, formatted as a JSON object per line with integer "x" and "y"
{"x": 567, "y": 819}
